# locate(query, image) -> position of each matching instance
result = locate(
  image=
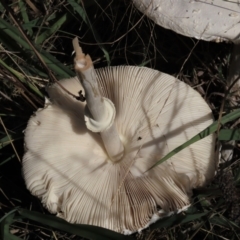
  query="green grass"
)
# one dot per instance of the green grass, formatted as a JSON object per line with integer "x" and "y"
{"x": 36, "y": 50}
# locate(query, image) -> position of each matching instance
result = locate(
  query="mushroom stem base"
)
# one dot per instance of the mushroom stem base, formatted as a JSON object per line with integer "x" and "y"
{"x": 113, "y": 144}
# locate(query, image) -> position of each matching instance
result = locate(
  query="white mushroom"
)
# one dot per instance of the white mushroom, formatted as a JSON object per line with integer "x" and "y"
{"x": 77, "y": 175}
{"x": 210, "y": 20}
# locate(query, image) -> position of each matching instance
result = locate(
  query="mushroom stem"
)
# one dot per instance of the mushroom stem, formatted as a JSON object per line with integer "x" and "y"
{"x": 101, "y": 109}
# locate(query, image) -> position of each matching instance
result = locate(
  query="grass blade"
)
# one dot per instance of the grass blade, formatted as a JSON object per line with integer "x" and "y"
{"x": 58, "y": 68}
{"x": 229, "y": 134}
{"x": 51, "y": 29}
{"x": 82, "y": 230}
{"x": 5, "y": 222}
{"x": 209, "y": 130}
{"x": 24, "y": 14}
{"x": 221, "y": 221}
{"x": 22, "y": 79}
{"x": 177, "y": 219}
{"x": 7, "y": 159}
{"x": 8, "y": 139}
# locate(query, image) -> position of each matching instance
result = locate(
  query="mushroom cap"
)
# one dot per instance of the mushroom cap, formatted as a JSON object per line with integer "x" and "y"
{"x": 67, "y": 167}
{"x": 210, "y": 20}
